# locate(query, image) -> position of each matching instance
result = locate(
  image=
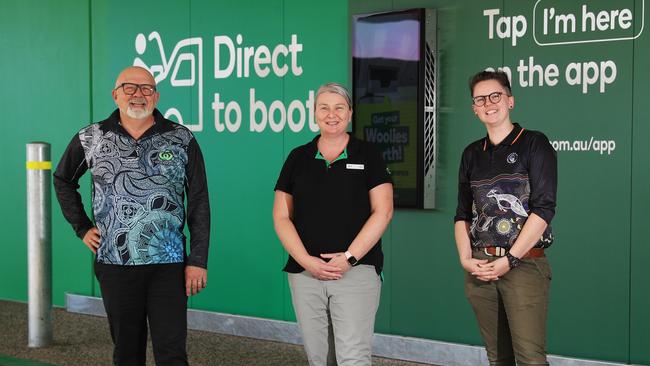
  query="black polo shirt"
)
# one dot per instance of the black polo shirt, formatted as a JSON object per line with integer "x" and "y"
{"x": 499, "y": 186}
{"x": 331, "y": 202}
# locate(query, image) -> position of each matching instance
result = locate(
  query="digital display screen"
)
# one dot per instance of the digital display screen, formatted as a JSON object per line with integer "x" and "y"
{"x": 386, "y": 72}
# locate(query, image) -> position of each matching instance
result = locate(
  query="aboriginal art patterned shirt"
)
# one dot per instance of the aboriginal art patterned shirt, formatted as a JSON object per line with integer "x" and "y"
{"x": 138, "y": 192}
{"x": 499, "y": 186}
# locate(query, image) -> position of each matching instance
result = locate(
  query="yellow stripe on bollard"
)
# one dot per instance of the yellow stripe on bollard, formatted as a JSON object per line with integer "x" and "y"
{"x": 39, "y": 165}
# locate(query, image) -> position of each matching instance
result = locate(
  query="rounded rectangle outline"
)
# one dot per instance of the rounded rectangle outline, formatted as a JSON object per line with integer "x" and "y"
{"x": 589, "y": 40}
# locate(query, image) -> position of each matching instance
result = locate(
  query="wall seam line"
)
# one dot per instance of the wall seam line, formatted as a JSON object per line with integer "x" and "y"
{"x": 631, "y": 233}
{"x": 93, "y": 288}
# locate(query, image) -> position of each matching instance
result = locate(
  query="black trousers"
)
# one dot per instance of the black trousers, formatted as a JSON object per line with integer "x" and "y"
{"x": 137, "y": 295}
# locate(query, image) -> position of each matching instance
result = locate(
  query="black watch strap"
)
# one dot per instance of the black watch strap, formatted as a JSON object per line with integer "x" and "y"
{"x": 513, "y": 261}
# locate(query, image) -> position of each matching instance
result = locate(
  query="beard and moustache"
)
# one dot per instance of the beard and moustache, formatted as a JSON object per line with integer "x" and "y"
{"x": 138, "y": 113}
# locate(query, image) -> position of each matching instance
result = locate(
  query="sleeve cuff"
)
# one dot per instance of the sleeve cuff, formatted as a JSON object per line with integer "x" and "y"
{"x": 545, "y": 214}
{"x": 196, "y": 262}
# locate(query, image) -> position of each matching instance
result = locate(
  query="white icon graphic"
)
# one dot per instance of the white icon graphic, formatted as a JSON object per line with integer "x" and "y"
{"x": 174, "y": 63}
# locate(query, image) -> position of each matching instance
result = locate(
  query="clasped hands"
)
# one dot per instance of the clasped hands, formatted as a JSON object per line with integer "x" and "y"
{"x": 330, "y": 266}
{"x": 485, "y": 270}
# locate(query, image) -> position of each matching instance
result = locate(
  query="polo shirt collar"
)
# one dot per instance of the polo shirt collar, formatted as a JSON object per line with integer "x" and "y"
{"x": 112, "y": 123}
{"x": 511, "y": 139}
{"x": 351, "y": 148}
{"x": 344, "y": 155}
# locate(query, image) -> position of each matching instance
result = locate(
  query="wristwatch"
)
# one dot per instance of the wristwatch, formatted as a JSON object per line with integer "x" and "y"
{"x": 351, "y": 259}
{"x": 513, "y": 261}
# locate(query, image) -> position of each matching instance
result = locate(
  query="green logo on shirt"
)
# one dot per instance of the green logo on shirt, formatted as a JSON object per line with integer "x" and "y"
{"x": 166, "y": 155}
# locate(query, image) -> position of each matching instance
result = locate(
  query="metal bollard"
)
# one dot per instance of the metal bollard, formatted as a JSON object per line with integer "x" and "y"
{"x": 39, "y": 243}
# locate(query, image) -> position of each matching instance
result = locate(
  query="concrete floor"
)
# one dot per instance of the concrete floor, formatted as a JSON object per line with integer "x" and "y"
{"x": 82, "y": 340}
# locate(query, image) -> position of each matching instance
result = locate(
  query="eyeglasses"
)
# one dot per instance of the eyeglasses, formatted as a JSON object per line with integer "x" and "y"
{"x": 131, "y": 88}
{"x": 480, "y": 100}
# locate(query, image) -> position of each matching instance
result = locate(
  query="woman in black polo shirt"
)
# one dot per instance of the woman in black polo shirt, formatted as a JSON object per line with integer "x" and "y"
{"x": 506, "y": 199}
{"x": 333, "y": 201}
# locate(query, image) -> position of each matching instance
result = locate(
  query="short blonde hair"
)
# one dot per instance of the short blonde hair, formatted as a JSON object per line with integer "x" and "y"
{"x": 335, "y": 88}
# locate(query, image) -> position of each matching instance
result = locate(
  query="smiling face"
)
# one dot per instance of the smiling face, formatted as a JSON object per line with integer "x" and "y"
{"x": 333, "y": 114}
{"x": 136, "y": 106}
{"x": 492, "y": 114}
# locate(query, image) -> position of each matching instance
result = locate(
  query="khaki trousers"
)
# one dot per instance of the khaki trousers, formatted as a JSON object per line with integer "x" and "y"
{"x": 511, "y": 312}
{"x": 337, "y": 318}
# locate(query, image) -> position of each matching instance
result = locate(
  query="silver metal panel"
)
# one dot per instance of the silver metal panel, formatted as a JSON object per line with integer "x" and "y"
{"x": 272, "y": 330}
{"x": 427, "y": 351}
{"x": 87, "y": 305}
{"x": 430, "y": 138}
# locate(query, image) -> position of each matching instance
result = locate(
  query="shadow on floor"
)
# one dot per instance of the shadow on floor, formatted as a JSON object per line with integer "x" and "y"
{"x": 83, "y": 340}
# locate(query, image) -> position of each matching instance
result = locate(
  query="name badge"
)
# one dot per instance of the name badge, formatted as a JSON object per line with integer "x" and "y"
{"x": 355, "y": 166}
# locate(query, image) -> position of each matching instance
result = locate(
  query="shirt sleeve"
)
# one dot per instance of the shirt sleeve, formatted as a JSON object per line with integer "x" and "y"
{"x": 198, "y": 206}
{"x": 285, "y": 180}
{"x": 66, "y": 185}
{"x": 465, "y": 199}
{"x": 542, "y": 174}
{"x": 378, "y": 172}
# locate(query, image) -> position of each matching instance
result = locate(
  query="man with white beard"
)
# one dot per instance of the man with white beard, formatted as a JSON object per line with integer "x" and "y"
{"x": 142, "y": 166}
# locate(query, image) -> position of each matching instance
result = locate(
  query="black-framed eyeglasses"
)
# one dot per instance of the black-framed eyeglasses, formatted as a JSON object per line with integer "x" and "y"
{"x": 480, "y": 100}
{"x": 131, "y": 88}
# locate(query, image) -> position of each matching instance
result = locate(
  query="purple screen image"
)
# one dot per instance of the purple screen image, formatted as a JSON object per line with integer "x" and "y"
{"x": 399, "y": 39}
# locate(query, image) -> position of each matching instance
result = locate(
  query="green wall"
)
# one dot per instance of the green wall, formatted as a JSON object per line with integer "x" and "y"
{"x": 44, "y": 97}
{"x": 62, "y": 57}
{"x": 640, "y": 197}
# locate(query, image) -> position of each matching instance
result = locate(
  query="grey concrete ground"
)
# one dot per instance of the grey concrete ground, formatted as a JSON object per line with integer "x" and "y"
{"x": 82, "y": 340}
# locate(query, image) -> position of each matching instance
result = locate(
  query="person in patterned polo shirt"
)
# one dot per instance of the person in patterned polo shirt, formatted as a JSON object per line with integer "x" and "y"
{"x": 143, "y": 167}
{"x": 506, "y": 200}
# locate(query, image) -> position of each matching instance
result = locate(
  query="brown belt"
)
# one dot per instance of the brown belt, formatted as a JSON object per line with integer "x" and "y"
{"x": 500, "y": 252}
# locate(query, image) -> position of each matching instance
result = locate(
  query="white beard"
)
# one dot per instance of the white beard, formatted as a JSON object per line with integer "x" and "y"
{"x": 138, "y": 113}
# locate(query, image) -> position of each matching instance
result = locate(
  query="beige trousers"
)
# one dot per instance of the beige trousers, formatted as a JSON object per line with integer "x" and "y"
{"x": 337, "y": 318}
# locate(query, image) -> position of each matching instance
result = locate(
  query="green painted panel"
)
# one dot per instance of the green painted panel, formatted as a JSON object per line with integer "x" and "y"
{"x": 427, "y": 298}
{"x": 370, "y": 6}
{"x": 383, "y": 318}
{"x": 245, "y": 278}
{"x": 640, "y": 244}
{"x": 44, "y": 89}
{"x": 11, "y": 361}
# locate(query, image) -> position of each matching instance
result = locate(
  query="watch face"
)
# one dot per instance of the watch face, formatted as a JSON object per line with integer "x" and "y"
{"x": 352, "y": 260}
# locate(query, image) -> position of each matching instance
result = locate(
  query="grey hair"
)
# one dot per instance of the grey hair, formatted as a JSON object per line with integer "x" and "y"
{"x": 335, "y": 88}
